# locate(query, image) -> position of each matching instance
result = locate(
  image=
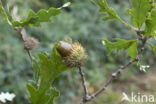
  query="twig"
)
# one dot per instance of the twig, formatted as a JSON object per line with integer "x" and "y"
{"x": 29, "y": 53}
{"x": 118, "y": 72}
{"x": 19, "y": 30}
{"x": 86, "y": 96}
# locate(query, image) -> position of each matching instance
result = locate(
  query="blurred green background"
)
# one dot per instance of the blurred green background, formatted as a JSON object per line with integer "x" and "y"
{"x": 82, "y": 22}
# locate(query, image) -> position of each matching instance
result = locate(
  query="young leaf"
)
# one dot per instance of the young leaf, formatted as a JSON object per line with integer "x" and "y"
{"x": 103, "y": 6}
{"x": 151, "y": 24}
{"x": 139, "y": 11}
{"x": 132, "y": 50}
{"x": 34, "y": 19}
{"x": 2, "y": 11}
{"x": 50, "y": 67}
{"x": 33, "y": 95}
{"x": 120, "y": 44}
{"x": 111, "y": 14}
{"x": 36, "y": 69}
{"x": 53, "y": 94}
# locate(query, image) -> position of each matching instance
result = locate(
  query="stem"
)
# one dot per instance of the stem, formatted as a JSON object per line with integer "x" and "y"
{"x": 29, "y": 53}
{"x": 126, "y": 24}
{"x": 86, "y": 96}
{"x": 19, "y": 30}
{"x": 118, "y": 72}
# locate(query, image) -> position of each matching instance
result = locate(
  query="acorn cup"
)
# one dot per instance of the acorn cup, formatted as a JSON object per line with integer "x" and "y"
{"x": 30, "y": 43}
{"x": 73, "y": 54}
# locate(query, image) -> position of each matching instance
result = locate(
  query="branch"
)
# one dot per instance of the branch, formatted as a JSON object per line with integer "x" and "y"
{"x": 19, "y": 30}
{"x": 86, "y": 96}
{"x": 118, "y": 72}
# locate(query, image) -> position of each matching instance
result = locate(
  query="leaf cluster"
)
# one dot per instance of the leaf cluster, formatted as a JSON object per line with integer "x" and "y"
{"x": 45, "y": 71}
{"x": 32, "y": 19}
{"x": 49, "y": 66}
{"x": 142, "y": 16}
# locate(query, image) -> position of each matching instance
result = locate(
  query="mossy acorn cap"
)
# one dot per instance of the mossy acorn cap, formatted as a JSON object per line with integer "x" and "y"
{"x": 73, "y": 54}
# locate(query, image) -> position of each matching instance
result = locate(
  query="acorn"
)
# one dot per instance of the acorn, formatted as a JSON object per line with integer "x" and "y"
{"x": 64, "y": 48}
{"x": 73, "y": 54}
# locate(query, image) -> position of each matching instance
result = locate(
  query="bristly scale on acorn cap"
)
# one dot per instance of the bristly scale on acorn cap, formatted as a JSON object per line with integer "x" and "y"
{"x": 73, "y": 54}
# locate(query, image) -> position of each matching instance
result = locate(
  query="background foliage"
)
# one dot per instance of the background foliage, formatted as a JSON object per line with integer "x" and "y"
{"x": 81, "y": 21}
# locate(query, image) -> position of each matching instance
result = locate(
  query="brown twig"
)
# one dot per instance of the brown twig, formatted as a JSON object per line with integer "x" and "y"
{"x": 86, "y": 95}
{"x": 19, "y": 30}
{"x": 29, "y": 53}
{"x": 118, "y": 72}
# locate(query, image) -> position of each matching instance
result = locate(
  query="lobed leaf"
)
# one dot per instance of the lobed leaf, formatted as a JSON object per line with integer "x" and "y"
{"x": 129, "y": 45}
{"x": 110, "y": 12}
{"x": 2, "y": 11}
{"x": 132, "y": 50}
{"x": 36, "y": 69}
{"x": 53, "y": 94}
{"x": 33, "y": 95}
{"x": 150, "y": 29}
{"x": 139, "y": 11}
{"x": 49, "y": 67}
{"x": 103, "y": 7}
{"x": 34, "y": 19}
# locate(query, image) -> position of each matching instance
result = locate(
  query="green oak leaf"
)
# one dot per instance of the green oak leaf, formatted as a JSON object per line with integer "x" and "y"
{"x": 109, "y": 12}
{"x": 53, "y": 94}
{"x": 36, "y": 69}
{"x": 47, "y": 69}
{"x": 34, "y": 19}
{"x": 129, "y": 45}
{"x": 118, "y": 45}
{"x": 2, "y": 11}
{"x": 103, "y": 8}
{"x": 33, "y": 93}
{"x": 139, "y": 11}
{"x": 150, "y": 29}
{"x": 132, "y": 50}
